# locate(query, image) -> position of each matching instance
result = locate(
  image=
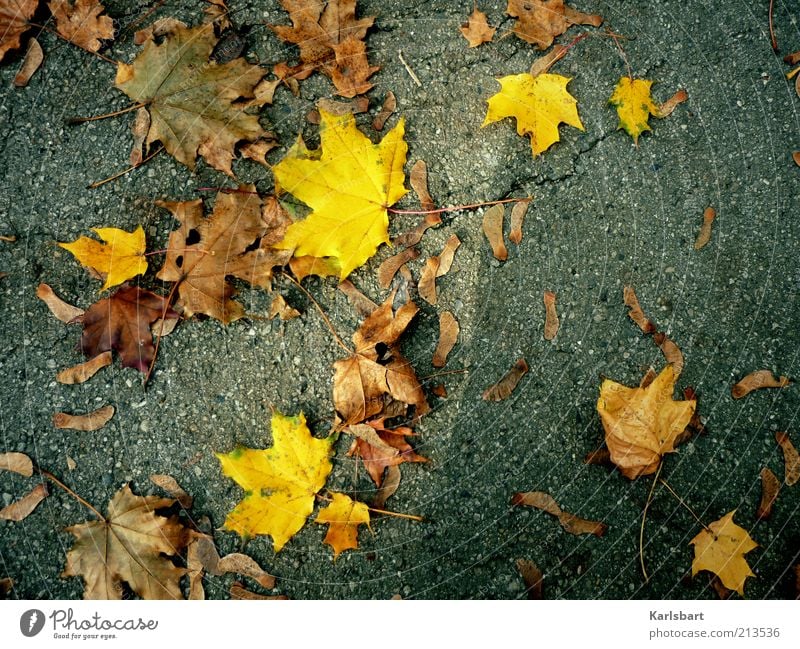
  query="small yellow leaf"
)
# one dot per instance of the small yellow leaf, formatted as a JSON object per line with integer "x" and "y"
{"x": 634, "y": 105}
{"x": 344, "y": 515}
{"x": 539, "y": 103}
{"x": 720, "y": 549}
{"x": 119, "y": 258}
{"x": 280, "y": 482}
{"x": 348, "y": 183}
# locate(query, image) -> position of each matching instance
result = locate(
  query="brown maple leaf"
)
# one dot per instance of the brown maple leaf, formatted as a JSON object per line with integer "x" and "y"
{"x": 81, "y": 23}
{"x": 380, "y": 447}
{"x": 14, "y": 17}
{"x": 131, "y": 544}
{"x": 233, "y": 242}
{"x": 540, "y": 21}
{"x": 330, "y": 39}
{"x": 122, "y": 323}
{"x": 377, "y": 370}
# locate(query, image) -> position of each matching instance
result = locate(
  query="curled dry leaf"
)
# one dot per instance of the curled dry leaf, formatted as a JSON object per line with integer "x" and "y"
{"x": 361, "y": 303}
{"x": 551, "y": 322}
{"x": 139, "y": 128}
{"x": 770, "y": 486}
{"x": 281, "y": 309}
{"x": 571, "y": 523}
{"x": 540, "y": 21}
{"x": 84, "y": 371}
{"x": 414, "y": 236}
{"x": 389, "y": 267}
{"x": 505, "y": 386}
{"x": 257, "y": 151}
{"x": 380, "y": 447}
{"x": 720, "y": 549}
{"x": 532, "y": 577}
{"x": 244, "y": 565}
{"x": 418, "y": 179}
{"x": 600, "y": 457}
{"x": 171, "y": 486}
{"x": 16, "y": 463}
{"x": 439, "y": 390}
{"x": 71, "y": 464}
{"x": 666, "y": 109}
{"x": 517, "y": 218}
{"x": 477, "y": 30}
{"x": 88, "y": 422}
{"x": 238, "y": 591}
{"x": 671, "y": 351}
{"x": 14, "y": 17}
{"x": 388, "y": 108}
{"x": 33, "y": 60}
{"x": 339, "y": 108}
{"x": 23, "y": 507}
{"x": 448, "y": 335}
{"x": 344, "y": 515}
{"x": 81, "y": 23}
{"x": 493, "y": 229}
{"x": 649, "y": 377}
{"x": 159, "y": 28}
{"x": 546, "y": 61}
{"x": 391, "y": 481}
{"x": 635, "y": 312}
{"x": 793, "y": 58}
{"x": 704, "y": 236}
{"x": 437, "y": 267}
{"x": 796, "y": 158}
{"x": 62, "y": 310}
{"x": 791, "y": 459}
{"x": 756, "y": 381}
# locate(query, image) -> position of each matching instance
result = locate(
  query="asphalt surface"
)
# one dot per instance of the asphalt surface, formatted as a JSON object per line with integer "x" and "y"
{"x": 605, "y": 214}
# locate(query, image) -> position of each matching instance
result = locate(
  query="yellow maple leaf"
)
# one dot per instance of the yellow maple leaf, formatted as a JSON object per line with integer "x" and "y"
{"x": 280, "y": 482}
{"x": 634, "y": 105}
{"x": 539, "y": 103}
{"x": 720, "y": 549}
{"x": 344, "y": 515}
{"x": 348, "y": 183}
{"x": 119, "y": 258}
{"x": 641, "y": 424}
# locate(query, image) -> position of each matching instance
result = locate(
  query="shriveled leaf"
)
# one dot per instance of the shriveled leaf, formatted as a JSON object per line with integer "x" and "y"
{"x": 234, "y": 241}
{"x": 238, "y": 591}
{"x": 756, "y": 381}
{"x": 389, "y": 267}
{"x": 506, "y": 385}
{"x": 119, "y": 259}
{"x": 360, "y": 302}
{"x": 418, "y": 179}
{"x": 791, "y": 459}
{"x": 6, "y": 586}
{"x": 348, "y": 183}
{"x": 667, "y": 108}
{"x": 171, "y": 486}
{"x": 344, "y": 515}
{"x": 34, "y": 56}
{"x": 704, "y": 236}
{"x": 139, "y": 128}
{"x": 477, "y": 30}
{"x": 540, "y": 21}
{"x": 414, "y": 236}
{"x": 84, "y": 371}
{"x": 532, "y": 577}
{"x": 539, "y": 105}
{"x": 380, "y": 447}
{"x": 60, "y": 309}
{"x": 132, "y": 545}
{"x": 448, "y": 335}
{"x": 770, "y": 486}
{"x": 122, "y": 323}
{"x": 672, "y": 353}
{"x": 14, "y": 17}
{"x": 720, "y": 549}
{"x": 16, "y": 463}
{"x": 551, "y": 322}
{"x": 71, "y": 464}
{"x": 280, "y": 482}
{"x": 635, "y": 312}
{"x": 280, "y": 308}
{"x": 23, "y": 507}
{"x": 517, "y": 218}
{"x": 191, "y": 100}
{"x": 80, "y": 22}
{"x": 642, "y": 424}
{"x": 244, "y": 565}
{"x": 389, "y": 486}
{"x": 387, "y": 109}
{"x": 493, "y": 229}
{"x": 94, "y": 420}
{"x": 435, "y": 267}
{"x": 571, "y": 523}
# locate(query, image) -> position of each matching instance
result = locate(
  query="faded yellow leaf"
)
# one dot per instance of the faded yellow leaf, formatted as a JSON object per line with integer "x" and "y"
{"x": 538, "y": 103}
{"x": 634, "y": 105}
{"x": 720, "y": 549}
{"x": 348, "y": 182}
{"x": 344, "y": 515}
{"x": 119, "y": 258}
{"x": 279, "y": 482}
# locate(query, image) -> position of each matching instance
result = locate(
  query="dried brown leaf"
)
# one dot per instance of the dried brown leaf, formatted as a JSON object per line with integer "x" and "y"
{"x": 505, "y": 386}
{"x": 756, "y": 381}
{"x": 600, "y": 457}
{"x": 532, "y": 577}
{"x": 791, "y": 459}
{"x": 517, "y": 218}
{"x": 84, "y": 371}
{"x": 160, "y": 27}
{"x": 571, "y": 523}
{"x": 388, "y": 108}
{"x": 671, "y": 351}
{"x": 163, "y": 328}
{"x": 173, "y": 489}
{"x": 770, "y": 486}
{"x": 635, "y": 313}
{"x": 666, "y": 109}
{"x": 477, "y": 30}
{"x": 704, "y": 236}
{"x": 414, "y": 236}
{"x": 217, "y": 12}
{"x": 257, "y": 151}
{"x": 796, "y": 158}
{"x": 139, "y": 128}
{"x": 540, "y": 21}
{"x": 418, "y": 179}
{"x": 71, "y": 464}
{"x": 16, "y": 463}
{"x": 439, "y": 390}
{"x": 493, "y": 229}
{"x": 33, "y": 60}
{"x": 360, "y": 302}
{"x": 385, "y": 448}
{"x": 551, "y": 322}
{"x": 6, "y": 586}
{"x": 23, "y": 507}
{"x": 62, "y": 310}
{"x": 353, "y": 107}
{"x": 81, "y": 23}
{"x": 448, "y": 335}
{"x": 238, "y": 591}
{"x": 391, "y": 481}
{"x": 650, "y": 376}
{"x": 14, "y": 19}
{"x": 389, "y": 267}
{"x": 437, "y": 267}
{"x": 281, "y": 309}
{"x": 244, "y": 565}
{"x": 90, "y": 421}
{"x": 546, "y": 61}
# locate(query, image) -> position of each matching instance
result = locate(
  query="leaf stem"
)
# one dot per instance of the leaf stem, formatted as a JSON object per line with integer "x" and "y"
{"x": 456, "y": 208}
{"x": 167, "y": 304}
{"x": 65, "y": 39}
{"x": 411, "y": 517}
{"x": 119, "y": 174}
{"x": 689, "y": 509}
{"x": 621, "y": 52}
{"x": 81, "y": 120}
{"x": 773, "y": 40}
{"x": 58, "y": 482}
{"x": 225, "y": 190}
{"x": 644, "y": 519}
